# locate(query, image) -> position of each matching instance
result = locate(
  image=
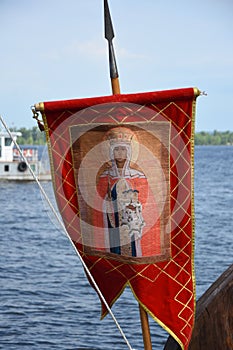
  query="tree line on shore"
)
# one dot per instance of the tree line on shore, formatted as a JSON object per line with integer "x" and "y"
{"x": 31, "y": 136}
{"x": 214, "y": 138}
{"x": 34, "y": 136}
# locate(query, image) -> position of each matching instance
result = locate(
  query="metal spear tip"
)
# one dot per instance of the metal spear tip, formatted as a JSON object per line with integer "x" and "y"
{"x": 109, "y": 33}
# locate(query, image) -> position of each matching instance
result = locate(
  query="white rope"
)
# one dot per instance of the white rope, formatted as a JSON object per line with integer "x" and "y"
{"x": 64, "y": 229}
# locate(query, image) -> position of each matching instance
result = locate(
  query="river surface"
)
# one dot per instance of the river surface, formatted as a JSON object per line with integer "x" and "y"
{"x": 46, "y": 302}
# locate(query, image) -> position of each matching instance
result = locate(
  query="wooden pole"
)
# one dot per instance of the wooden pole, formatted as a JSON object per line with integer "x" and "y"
{"x": 143, "y": 314}
{"x": 109, "y": 35}
{"x": 145, "y": 329}
{"x": 115, "y": 86}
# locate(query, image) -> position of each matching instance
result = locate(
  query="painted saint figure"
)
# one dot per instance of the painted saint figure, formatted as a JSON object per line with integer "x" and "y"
{"x": 123, "y": 189}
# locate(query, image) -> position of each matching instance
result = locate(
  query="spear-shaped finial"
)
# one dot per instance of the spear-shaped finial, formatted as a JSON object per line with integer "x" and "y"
{"x": 109, "y": 35}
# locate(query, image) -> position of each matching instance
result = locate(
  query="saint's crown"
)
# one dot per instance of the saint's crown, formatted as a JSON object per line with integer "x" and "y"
{"x": 119, "y": 135}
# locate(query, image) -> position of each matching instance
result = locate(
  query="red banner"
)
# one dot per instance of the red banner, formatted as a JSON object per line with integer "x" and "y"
{"x": 122, "y": 169}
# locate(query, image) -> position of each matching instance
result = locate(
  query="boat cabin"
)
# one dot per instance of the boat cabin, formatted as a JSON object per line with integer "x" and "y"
{"x": 13, "y": 167}
{"x": 6, "y": 146}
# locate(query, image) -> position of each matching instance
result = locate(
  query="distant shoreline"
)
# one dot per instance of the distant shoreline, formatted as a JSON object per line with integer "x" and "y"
{"x": 215, "y": 138}
{"x": 203, "y": 145}
{"x": 34, "y": 136}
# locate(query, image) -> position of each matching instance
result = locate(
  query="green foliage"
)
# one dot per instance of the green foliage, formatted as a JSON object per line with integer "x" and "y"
{"x": 214, "y": 138}
{"x": 31, "y": 136}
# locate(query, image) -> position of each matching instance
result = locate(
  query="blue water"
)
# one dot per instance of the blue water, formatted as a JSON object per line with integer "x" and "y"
{"x": 45, "y": 300}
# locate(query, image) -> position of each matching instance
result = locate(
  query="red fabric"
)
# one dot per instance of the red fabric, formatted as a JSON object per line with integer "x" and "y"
{"x": 164, "y": 288}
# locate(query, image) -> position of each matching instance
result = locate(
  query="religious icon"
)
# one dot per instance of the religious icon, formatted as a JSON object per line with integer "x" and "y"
{"x": 121, "y": 187}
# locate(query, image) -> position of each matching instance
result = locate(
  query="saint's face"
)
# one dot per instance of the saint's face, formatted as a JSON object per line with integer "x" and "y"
{"x": 120, "y": 153}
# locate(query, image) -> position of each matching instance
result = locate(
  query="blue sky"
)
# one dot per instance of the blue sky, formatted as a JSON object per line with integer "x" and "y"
{"x": 55, "y": 50}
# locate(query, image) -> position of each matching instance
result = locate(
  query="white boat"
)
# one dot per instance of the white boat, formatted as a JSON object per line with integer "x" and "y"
{"x": 13, "y": 167}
